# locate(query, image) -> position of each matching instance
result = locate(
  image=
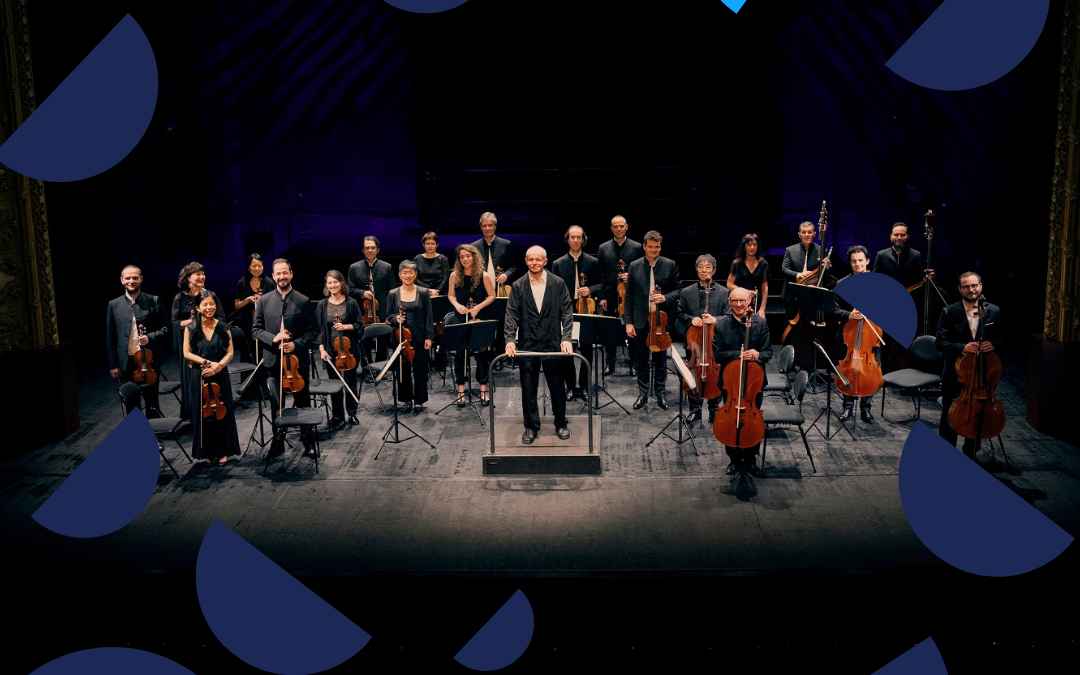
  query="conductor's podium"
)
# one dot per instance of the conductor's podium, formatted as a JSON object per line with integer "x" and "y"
{"x": 547, "y": 454}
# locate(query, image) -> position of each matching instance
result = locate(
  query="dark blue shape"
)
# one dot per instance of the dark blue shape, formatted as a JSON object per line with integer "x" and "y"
{"x": 270, "y": 621}
{"x": 425, "y": 6}
{"x": 884, "y": 301}
{"x": 966, "y": 516}
{"x": 95, "y": 117}
{"x": 110, "y": 487}
{"x": 503, "y": 639}
{"x": 112, "y": 660}
{"x": 969, "y": 43}
{"x": 922, "y": 659}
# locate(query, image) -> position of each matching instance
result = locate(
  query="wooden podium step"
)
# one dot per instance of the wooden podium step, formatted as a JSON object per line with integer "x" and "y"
{"x": 547, "y": 454}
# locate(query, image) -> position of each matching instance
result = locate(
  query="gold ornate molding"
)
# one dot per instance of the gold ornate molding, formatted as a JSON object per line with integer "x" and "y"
{"x": 27, "y": 295}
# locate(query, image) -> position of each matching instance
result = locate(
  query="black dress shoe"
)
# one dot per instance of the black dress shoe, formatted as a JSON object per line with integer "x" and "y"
{"x": 563, "y": 433}
{"x": 661, "y": 400}
{"x": 570, "y": 396}
{"x": 418, "y": 408}
{"x": 730, "y": 468}
{"x": 754, "y": 471}
{"x": 694, "y": 415}
{"x": 847, "y": 414}
{"x": 640, "y": 402}
{"x": 633, "y": 371}
{"x": 867, "y": 416}
{"x": 609, "y": 371}
{"x": 353, "y": 421}
{"x": 500, "y": 365}
{"x": 406, "y": 408}
{"x": 529, "y": 436}
{"x": 337, "y": 422}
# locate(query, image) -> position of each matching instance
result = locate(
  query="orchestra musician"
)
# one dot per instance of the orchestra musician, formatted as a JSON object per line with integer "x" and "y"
{"x": 432, "y": 267}
{"x": 300, "y": 333}
{"x": 496, "y": 252}
{"x": 727, "y": 348}
{"x": 693, "y": 311}
{"x": 468, "y": 282}
{"x": 569, "y": 268}
{"x": 904, "y": 264}
{"x": 644, "y": 275}
{"x": 750, "y": 270}
{"x": 208, "y": 348}
{"x": 618, "y": 248}
{"x": 412, "y": 390}
{"x": 249, "y": 289}
{"x": 338, "y": 315}
{"x": 859, "y": 258}
{"x": 540, "y": 314}
{"x": 192, "y": 282}
{"x": 800, "y": 260}
{"x": 366, "y": 274}
{"x": 957, "y": 330}
{"x": 125, "y": 314}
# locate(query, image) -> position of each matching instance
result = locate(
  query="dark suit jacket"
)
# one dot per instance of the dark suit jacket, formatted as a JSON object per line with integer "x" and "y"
{"x": 384, "y": 277}
{"x": 421, "y": 323}
{"x": 587, "y": 265}
{"x": 793, "y": 259}
{"x": 149, "y": 312}
{"x": 690, "y": 302}
{"x": 352, "y": 316}
{"x": 300, "y": 321}
{"x": 608, "y": 261}
{"x": 728, "y": 338}
{"x": 502, "y": 255}
{"x": 541, "y": 331}
{"x": 908, "y": 269}
{"x": 953, "y": 333}
{"x": 666, "y": 275}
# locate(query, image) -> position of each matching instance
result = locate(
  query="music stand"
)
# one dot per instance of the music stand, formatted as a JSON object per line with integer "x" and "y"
{"x": 393, "y": 363}
{"x": 680, "y": 418}
{"x": 468, "y": 336}
{"x": 603, "y": 331}
{"x": 440, "y": 306}
{"x": 258, "y": 426}
{"x": 811, "y": 300}
{"x": 496, "y": 312}
{"x": 828, "y": 411}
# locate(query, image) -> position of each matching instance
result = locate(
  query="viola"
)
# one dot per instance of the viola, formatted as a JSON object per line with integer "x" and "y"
{"x": 344, "y": 359}
{"x": 702, "y": 363}
{"x": 739, "y": 423}
{"x": 860, "y": 366}
{"x": 658, "y": 339}
{"x": 291, "y": 380}
{"x": 404, "y": 335}
{"x": 976, "y": 412}
{"x": 213, "y": 408}
{"x": 501, "y": 290}
{"x": 584, "y": 305}
{"x": 371, "y": 305}
{"x": 144, "y": 374}
{"x": 621, "y": 290}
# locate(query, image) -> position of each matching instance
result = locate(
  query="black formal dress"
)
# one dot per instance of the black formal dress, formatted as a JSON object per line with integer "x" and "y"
{"x": 124, "y": 315}
{"x": 214, "y": 438}
{"x": 245, "y": 317}
{"x": 421, "y": 324}
{"x": 326, "y": 315}
{"x": 727, "y": 348}
{"x": 182, "y": 306}
{"x": 638, "y": 289}
{"x": 908, "y": 267}
{"x": 751, "y": 281}
{"x": 607, "y": 259}
{"x": 569, "y": 270}
{"x": 953, "y": 332}
{"x": 691, "y": 302}
{"x": 432, "y": 272}
{"x": 462, "y": 294}
{"x": 540, "y": 330}
{"x": 360, "y": 275}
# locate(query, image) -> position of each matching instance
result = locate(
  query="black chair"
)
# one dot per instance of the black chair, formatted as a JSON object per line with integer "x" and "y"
{"x": 324, "y": 388}
{"x": 373, "y": 332}
{"x": 783, "y": 387}
{"x": 163, "y": 427}
{"x": 915, "y": 380}
{"x": 300, "y": 418}
{"x": 786, "y": 414}
{"x": 167, "y": 387}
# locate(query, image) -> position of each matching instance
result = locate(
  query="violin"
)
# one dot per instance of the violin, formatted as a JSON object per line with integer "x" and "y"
{"x": 144, "y": 374}
{"x": 860, "y": 366}
{"x": 658, "y": 339}
{"x": 621, "y": 290}
{"x": 702, "y": 363}
{"x": 739, "y": 423}
{"x": 291, "y": 380}
{"x": 468, "y": 306}
{"x": 344, "y": 359}
{"x": 976, "y": 412}
{"x": 584, "y": 305}
{"x": 213, "y": 408}
{"x": 371, "y": 305}
{"x": 404, "y": 336}
{"x": 501, "y": 290}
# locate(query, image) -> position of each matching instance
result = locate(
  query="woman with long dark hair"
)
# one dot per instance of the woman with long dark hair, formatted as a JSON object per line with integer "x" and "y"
{"x": 192, "y": 283}
{"x": 750, "y": 270}
{"x": 249, "y": 289}
{"x": 208, "y": 348}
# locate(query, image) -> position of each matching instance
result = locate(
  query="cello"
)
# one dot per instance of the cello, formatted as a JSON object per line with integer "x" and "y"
{"x": 144, "y": 374}
{"x": 976, "y": 413}
{"x": 739, "y": 423}
{"x": 703, "y": 364}
{"x": 658, "y": 339}
{"x": 860, "y": 366}
{"x": 584, "y": 304}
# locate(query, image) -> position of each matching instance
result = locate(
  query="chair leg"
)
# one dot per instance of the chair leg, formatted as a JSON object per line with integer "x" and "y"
{"x": 764, "y": 450}
{"x": 183, "y": 450}
{"x": 807, "y": 446}
{"x": 161, "y": 451}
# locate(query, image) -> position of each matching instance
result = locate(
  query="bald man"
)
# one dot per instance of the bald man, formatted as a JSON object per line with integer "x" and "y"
{"x": 126, "y": 313}
{"x": 539, "y": 318}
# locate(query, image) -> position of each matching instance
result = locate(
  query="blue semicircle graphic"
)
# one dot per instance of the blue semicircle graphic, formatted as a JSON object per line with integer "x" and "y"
{"x": 271, "y": 621}
{"x": 922, "y": 659}
{"x": 112, "y": 660}
{"x": 110, "y": 487}
{"x": 95, "y": 117}
{"x": 966, "y": 517}
{"x": 425, "y": 6}
{"x": 884, "y": 301}
{"x": 969, "y": 43}
{"x": 503, "y": 639}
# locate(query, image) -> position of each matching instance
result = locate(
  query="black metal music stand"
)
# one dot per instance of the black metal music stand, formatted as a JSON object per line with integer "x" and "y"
{"x": 496, "y": 312}
{"x": 258, "y": 426}
{"x": 828, "y": 411}
{"x": 811, "y": 300}
{"x": 393, "y": 363}
{"x": 680, "y": 418}
{"x": 469, "y": 337}
{"x": 440, "y": 306}
{"x": 600, "y": 331}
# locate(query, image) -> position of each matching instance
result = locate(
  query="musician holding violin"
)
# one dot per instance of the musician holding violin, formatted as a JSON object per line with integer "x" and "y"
{"x": 470, "y": 292}
{"x": 249, "y": 289}
{"x": 859, "y": 258}
{"x": 613, "y": 259}
{"x": 135, "y": 336}
{"x": 338, "y": 317}
{"x": 371, "y": 279}
{"x": 208, "y": 348}
{"x": 192, "y": 283}
{"x": 700, "y": 305}
{"x": 959, "y": 334}
{"x": 581, "y": 274}
{"x": 414, "y": 316}
{"x": 497, "y": 256}
{"x": 652, "y": 286}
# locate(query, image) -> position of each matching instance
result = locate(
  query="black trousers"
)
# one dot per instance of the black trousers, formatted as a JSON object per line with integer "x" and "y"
{"x": 644, "y": 356}
{"x": 414, "y": 374}
{"x": 949, "y": 393}
{"x": 483, "y": 362}
{"x": 149, "y": 393}
{"x": 529, "y": 370}
{"x": 864, "y": 402}
{"x": 742, "y": 458}
{"x": 336, "y": 406}
{"x": 610, "y": 353}
{"x": 581, "y": 382}
{"x": 714, "y": 403}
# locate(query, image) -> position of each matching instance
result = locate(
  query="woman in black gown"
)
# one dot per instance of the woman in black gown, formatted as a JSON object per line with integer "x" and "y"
{"x": 750, "y": 270}
{"x": 192, "y": 282}
{"x": 433, "y": 273}
{"x": 468, "y": 282}
{"x": 339, "y": 316}
{"x": 208, "y": 348}
{"x": 416, "y": 305}
{"x": 248, "y": 291}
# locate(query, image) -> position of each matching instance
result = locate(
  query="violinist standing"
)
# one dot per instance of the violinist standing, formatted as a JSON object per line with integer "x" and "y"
{"x": 496, "y": 252}
{"x": 569, "y": 268}
{"x": 125, "y": 315}
{"x": 643, "y": 276}
{"x": 192, "y": 283}
{"x": 361, "y": 274}
{"x": 957, "y": 329}
{"x": 694, "y": 312}
{"x": 208, "y": 348}
{"x": 418, "y": 319}
{"x": 611, "y": 252}
{"x": 249, "y": 289}
{"x": 727, "y": 348}
{"x": 859, "y": 258}
{"x": 301, "y": 333}
{"x": 338, "y": 316}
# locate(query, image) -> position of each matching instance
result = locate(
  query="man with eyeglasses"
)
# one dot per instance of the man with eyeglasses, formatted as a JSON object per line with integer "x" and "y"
{"x": 693, "y": 311}
{"x": 957, "y": 332}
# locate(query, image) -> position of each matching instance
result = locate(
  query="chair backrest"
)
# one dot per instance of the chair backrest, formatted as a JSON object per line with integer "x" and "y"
{"x": 130, "y": 396}
{"x": 449, "y": 318}
{"x": 375, "y": 330}
{"x": 799, "y": 388}
{"x": 787, "y": 359}
{"x": 924, "y": 350}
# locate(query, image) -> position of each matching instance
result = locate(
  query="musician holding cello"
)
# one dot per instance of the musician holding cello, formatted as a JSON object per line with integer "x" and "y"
{"x": 700, "y": 305}
{"x": 581, "y": 274}
{"x": 208, "y": 348}
{"x": 414, "y": 313}
{"x": 613, "y": 259}
{"x": 652, "y": 284}
{"x": 371, "y": 279}
{"x": 338, "y": 318}
{"x": 958, "y": 333}
{"x": 129, "y": 345}
{"x": 859, "y": 258}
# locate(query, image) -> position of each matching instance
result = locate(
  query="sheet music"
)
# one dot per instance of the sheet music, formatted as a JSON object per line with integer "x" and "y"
{"x": 688, "y": 376}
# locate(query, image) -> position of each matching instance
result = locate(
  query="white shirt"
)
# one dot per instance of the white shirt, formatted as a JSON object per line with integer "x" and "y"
{"x": 538, "y": 287}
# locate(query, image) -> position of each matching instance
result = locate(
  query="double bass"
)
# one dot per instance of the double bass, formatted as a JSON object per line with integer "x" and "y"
{"x": 658, "y": 340}
{"x": 739, "y": 423}
{"x": 976, "y": 413}
{"x": 860, "y": 366}
{"x": 926, "y": 282}
{"x": 799, "y": 332}
{"x": 583, "y": 305}
{"x": 702, "y": 364}
{"x": 144, "y": 374}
